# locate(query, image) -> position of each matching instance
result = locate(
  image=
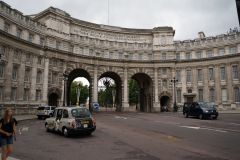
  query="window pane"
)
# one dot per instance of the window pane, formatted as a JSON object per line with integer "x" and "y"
{"x": 224, "y": 95}
{"x": 222, "y": 73}
{"x": 200, "y": 95}
{"x": 211, "y": 74}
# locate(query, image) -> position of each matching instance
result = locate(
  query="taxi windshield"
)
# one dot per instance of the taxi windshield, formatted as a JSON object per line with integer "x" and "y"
{"x": 80, "y": 113}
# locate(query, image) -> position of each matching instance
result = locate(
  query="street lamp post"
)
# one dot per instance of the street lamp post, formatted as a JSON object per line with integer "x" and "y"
{"x": 65, "y": 78}
{"x": 174, "y": 81}
{"x": 113, "y": 95}
{"x": 78, "y": 91}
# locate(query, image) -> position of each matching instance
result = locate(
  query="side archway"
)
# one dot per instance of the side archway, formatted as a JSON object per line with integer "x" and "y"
{"x": 118, "y": 87}
{"x": 145, "y": 91}
{"x": 73, "y": 75}
{"x": 54, "y": 95}
{"x": 165, "y": 101}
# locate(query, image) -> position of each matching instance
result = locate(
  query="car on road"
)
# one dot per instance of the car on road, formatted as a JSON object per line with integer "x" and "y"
{"x": 71, "y": 120}
{"x": 201, "y": 110}
{"x": 45, "y": 111}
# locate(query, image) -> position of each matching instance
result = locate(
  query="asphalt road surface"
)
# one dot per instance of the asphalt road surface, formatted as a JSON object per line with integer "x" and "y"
{"x": 135, "y": 136}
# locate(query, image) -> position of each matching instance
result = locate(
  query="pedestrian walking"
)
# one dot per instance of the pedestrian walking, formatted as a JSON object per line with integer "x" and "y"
{"x": 7, "y": 133}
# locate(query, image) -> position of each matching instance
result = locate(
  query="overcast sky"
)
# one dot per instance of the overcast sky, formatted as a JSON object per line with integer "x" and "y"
{"x": 187, "y": 17}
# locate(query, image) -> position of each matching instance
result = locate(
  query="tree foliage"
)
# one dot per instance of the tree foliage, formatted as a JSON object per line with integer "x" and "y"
{"x": 84, "y": 93}
{"x": 133, "y": 92}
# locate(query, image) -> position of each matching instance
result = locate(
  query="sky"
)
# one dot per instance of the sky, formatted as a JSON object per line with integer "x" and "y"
{"x": 187, "y": 17}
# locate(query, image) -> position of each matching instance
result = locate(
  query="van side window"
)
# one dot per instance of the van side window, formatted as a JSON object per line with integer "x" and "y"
{"x": 59, "y": 114}
{"x": 65, "y": 114}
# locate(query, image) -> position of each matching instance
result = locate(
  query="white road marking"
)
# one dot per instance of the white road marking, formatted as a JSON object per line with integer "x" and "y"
{"x": 204, "y": 128}
{"x": 236, "y": 124}
{"x": 120, "y": 117}
{"x": 23, "y": 129}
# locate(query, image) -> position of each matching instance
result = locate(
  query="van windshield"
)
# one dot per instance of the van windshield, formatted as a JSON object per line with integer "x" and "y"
{"x": 41, "y": 108}
{"x": 80, "y": 113}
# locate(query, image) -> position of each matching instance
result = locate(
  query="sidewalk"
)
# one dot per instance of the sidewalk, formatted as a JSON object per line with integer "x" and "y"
{"x": 25, "y": 117}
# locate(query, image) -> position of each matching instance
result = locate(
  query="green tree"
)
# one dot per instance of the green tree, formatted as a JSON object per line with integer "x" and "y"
{"x": 84, "y": 93}
{"x": 133, "y": 92}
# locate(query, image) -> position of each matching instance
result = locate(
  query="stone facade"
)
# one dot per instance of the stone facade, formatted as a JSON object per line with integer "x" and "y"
{"x": 37, "y": 50}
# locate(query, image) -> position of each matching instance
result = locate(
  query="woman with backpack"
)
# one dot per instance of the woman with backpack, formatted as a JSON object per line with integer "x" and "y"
{"x": 7, "y": 132}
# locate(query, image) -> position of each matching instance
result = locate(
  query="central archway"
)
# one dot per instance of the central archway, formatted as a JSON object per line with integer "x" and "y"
{"x": 117, "y": 86}
{"x": 145, "y": 91}
{"x": 71, "y": 77}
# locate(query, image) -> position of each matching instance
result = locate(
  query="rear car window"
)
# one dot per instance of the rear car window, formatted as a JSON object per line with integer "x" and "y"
{"x": 41, "y": 108}
{"x": 80, "y": 113}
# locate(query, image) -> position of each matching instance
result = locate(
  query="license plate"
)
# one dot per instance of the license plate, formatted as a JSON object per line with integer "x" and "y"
{"x": 85, "y": 126}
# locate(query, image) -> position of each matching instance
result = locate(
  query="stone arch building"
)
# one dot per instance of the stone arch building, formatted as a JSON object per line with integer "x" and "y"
{"x": 36, "y": 50}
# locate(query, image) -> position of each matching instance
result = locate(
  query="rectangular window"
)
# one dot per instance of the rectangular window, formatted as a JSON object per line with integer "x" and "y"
{"x": 200, "y": 95}
{"x": 27, "y": 75}
{"x": 179, "y": 95}
{"x": 224, "y": 95}
{"x": 223, "y": 73}
{"x": 19, "y": 33}
{"x": 140, "y": 56}
{"x": 30, "y": 37}
{"x": 13, "y": 94}
{"x": 164, "y": 71}
{"x": 28, "y": 57}
{"x": 42, "y": 41}
{"x": 188, "y": 56}
{"x": 178, "y": 56}
{"x": 211, "y": 74}
{"x": 235, "y": 71}
{"x": 14, "y": 73}
{"x": 178, "y": 75}
{"x": 237, "y": 94}
{"x": 58, "y": 45}
{"x": 2, "y": 68}
{"x": 39, "y": 60}
{"x": 189, "y": 75}
{"x": 221, "y": 52}
{"x": 38, "y": 95}
{"x": 1, "y": 93}
{"x": 212, "y": 95}
{"x": 164, "y": 56}
{"x": 6, "y": 27}
{"x": 209, "y": 54}
{"x": 233, "y": 50}
{"x": 39, "y": 76}
{"x": 26, "y": 94}
{"x": 199, "y": 54}
{"x": 200, "y": 74}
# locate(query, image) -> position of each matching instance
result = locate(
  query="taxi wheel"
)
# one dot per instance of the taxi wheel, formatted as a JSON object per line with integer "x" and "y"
{"x": 65, "y": 132}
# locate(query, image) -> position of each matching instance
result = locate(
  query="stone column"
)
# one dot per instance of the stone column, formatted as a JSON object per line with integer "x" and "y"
{"x": 45, "y": 81}
{"x": 21, "y": 74}
{"x": 184, "y": 84}
{"x": 217, "y": 85}
{"x": 33, "y": 79}
{"x": 64, "y": 69}
{"x": 194, "y": 82}
{"x": 125, "y": 103}
{"x": 156, "y": 107}
{"x": 205, "y": 84}
{"x": 230, "y": 85}
{"x": 8, "y": 76}
{"x": 95, "y": 85}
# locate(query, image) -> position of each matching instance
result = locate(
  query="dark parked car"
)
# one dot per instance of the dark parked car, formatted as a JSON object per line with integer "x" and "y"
{"x": 201, "y": 110}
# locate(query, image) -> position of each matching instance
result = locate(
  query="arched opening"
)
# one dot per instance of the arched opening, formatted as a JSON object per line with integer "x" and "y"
{"x": 53, "y": 99}
{"x": 78, "y": 88}
{"x": 54, "y": 96}
{"x": 110, "y": 91}
{"x": 165, "y": 102}
{"x": 145, "y": 91}
{"x": 134, "y": 92}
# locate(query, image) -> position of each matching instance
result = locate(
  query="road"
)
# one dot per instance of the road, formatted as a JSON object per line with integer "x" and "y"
{"x": 135, "y": 136}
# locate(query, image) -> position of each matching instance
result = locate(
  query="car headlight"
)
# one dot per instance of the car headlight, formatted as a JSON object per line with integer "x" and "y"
{"x": 206, "y": 111}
